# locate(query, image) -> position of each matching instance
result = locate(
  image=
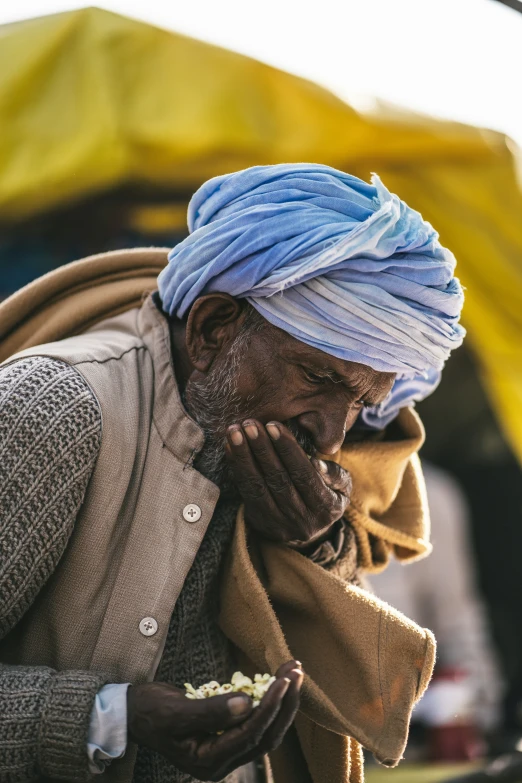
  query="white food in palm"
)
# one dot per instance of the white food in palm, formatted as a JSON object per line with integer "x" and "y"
{"x": 255, "y": 688}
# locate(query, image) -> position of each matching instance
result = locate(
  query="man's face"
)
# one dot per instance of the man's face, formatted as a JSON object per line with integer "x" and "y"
{"x": 266, "y": 374}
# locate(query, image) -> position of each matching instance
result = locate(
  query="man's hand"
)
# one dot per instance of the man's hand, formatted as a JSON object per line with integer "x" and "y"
{"x": 288, "y": 498}
{"x": 183, "y": 730}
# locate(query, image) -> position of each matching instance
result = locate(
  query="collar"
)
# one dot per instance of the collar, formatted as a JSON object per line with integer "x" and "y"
{"x": 179, "y": 432}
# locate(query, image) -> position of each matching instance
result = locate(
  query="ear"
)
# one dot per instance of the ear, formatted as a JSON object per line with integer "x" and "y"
{"x": 214, "y": 320}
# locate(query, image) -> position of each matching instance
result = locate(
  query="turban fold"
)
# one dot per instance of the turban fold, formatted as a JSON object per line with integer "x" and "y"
{"x": 340, "y": 264}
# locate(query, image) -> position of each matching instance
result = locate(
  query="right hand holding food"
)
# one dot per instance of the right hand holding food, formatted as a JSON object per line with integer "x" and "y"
{"x": 185, "y": 731}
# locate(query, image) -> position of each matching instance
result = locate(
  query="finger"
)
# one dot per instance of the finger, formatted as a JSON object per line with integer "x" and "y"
{"x": 275, "y": 733}
{"x": 306, "y": 478}
{"x": 288, "y": 667}
{"x": 277, "y": 730}
{"x": 277, "y": 479}
{"x": 245, "y": 738}
{"x": 215, "y": 714}
{"x": 333, "y": 475}
{"x": 250, "y": 481}
{"x": 218, "y": 753}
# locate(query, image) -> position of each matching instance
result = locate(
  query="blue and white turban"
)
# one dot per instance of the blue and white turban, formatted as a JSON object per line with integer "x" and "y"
{"x": 341, "y": 265}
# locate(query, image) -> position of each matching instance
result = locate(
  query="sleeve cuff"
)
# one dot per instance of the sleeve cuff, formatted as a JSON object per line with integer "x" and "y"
{"x": 62, "y": 752}
{"x": 107, "y": 738}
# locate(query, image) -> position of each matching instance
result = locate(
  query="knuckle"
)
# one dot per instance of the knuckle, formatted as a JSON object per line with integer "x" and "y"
{"x": 341, "y": 478}
{"x": 261, "y": 451}
{"x": 286, "y": 444}
{"x": 347, "y": 476}
{"x": 335, "y": 472}
{"x": 292, "y": 454}
{"x": 278, "y": 481}
{"x": 301, "y": 475}
{"x": 253, "y": 488}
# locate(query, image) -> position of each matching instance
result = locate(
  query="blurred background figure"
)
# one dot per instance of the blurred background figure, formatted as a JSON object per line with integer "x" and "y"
{"x": 462, "y": 705}
{"x": 465, "y": 439}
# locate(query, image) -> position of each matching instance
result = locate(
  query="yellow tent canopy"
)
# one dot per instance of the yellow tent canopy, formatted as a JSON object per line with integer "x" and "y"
{"x": 90, "y": 100}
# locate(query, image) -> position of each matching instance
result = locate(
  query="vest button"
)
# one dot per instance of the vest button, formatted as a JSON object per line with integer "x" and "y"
{"x": 191, "y": 513}
{"x": 148, "y": 626}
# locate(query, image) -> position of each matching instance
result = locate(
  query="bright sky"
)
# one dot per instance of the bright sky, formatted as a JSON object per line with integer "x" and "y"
{"x": 460, "y": 59}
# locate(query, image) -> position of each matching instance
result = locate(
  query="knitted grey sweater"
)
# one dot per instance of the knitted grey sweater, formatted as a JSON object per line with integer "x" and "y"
{"x": 50, "y": 434}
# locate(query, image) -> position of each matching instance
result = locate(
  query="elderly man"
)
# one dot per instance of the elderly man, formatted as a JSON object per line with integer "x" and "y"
{"x": 306, "y": 309}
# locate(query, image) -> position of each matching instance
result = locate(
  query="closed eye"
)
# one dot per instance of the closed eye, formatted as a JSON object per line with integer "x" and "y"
{"x": 315, "y": 378}
{"x": 318, "y": 379}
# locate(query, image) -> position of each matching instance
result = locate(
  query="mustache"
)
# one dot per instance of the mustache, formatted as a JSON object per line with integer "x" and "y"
{"x": 303, "y": 438}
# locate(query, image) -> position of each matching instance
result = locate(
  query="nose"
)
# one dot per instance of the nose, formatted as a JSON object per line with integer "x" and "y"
{"x": 328, "y": 428}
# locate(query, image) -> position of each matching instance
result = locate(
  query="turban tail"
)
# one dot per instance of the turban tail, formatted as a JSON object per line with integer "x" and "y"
{"x": 342, "y": 265}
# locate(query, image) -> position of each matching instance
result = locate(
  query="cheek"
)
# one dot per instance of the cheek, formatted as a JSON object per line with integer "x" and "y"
{"x": 267, "y": 389}
{"x": 255, "y": 382}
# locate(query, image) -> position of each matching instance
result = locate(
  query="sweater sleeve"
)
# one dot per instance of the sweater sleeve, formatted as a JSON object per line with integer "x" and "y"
{"x": 50, "y": 436}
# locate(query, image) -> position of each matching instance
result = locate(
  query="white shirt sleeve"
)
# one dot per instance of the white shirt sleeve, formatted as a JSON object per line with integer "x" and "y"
{"x": 108, "y": 728}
